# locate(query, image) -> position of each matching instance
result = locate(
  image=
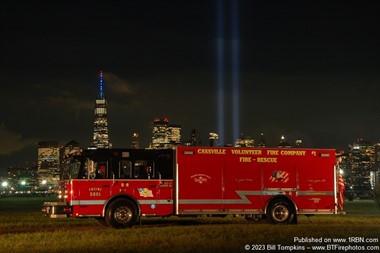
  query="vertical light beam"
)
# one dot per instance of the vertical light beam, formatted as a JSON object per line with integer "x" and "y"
{"x": 235, "y": 69}
{"x": 220, "y": 67}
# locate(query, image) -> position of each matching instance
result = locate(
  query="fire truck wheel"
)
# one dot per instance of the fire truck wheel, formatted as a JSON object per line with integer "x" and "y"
{"x": 121, "y": 213}
{"x": 281, "y": 212}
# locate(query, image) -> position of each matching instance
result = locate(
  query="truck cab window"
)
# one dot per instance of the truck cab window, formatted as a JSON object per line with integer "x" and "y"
{"x": 144, "y": 170}
{"x": 94, "y": 169}
{"x": 88, "y": 169}
{"x": 71, "y": 169}
{"x": 125, "y": 169}
{"x": 101, "y": 169}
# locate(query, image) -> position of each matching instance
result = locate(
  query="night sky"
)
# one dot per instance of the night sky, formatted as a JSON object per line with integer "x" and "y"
{"x": 306, "y": 69}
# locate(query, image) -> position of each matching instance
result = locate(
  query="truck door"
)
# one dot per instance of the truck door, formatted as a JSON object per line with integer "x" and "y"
{"x": 91, "y": 192}
{"x": 99, "y": 188}
{"x": 146, "y": 186}
{"x": 200, "y": 181}
{"x": 154, "y": 194}
{"x": 165, "y": 197}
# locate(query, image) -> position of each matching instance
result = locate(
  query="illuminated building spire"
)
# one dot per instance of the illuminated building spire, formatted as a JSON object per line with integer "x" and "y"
{"x": 100, "y": 137}
{"x": 101, "y": 85}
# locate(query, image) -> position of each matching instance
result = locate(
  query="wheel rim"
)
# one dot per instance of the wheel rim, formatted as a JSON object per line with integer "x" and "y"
{"x": 123, "y": 214}
{"x": 280, "y": 213}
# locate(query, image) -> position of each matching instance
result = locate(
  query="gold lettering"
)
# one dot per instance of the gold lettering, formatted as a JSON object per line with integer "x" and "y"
{"x": 293, "y": 152}
{"x": 211, "y": 151}
{"x": 245, "y": 159}
{"x": 272, "y": 152}
{"x": 95, "y": 194}
{"x": 267, "y": 159}
{"x": 246, "y": 151}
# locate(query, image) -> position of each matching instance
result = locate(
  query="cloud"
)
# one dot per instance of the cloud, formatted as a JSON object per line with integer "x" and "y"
{"x": 68, "y": 101}
{"x": 118, "y": 84}
{"x": 12, "y": 142}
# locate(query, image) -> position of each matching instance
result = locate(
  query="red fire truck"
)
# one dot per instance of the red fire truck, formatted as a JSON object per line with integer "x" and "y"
{"x": 119, "y": 186}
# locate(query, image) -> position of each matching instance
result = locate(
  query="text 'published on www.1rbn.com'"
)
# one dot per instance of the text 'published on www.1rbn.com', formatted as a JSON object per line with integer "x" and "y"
{"x": 321, "y": 244}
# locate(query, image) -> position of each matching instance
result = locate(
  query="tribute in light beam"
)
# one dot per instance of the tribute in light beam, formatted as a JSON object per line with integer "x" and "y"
{"x": 220, "y": 68}
{"x": 235, "y": 70}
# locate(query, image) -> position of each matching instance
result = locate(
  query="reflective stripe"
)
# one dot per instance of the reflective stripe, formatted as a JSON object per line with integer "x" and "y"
{"x": 157, "y": 202}
{"x": 316, "y": 211}
{"x": 314, "y": 193}
{"x": 87, "y": 202}
{"x": 102, "y": 202}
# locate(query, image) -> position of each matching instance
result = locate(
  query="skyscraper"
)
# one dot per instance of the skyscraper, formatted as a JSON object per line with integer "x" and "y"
{"x": 48, "y": 163}
{"x": 159, "y": 131}
{"x": 360, "y": 168}
{"x": 100, "y": 137}
{"x": 165, "y": 135}
{"x": 244, "y": 141}
{"x": 195, "y": 139}
{"x": 262, "y": 143}
{"x": 135, "y": 140}
{"x": 213, "y": 139}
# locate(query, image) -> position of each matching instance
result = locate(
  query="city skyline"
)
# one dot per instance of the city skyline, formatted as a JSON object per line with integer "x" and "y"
{"x": 306, "y": 70}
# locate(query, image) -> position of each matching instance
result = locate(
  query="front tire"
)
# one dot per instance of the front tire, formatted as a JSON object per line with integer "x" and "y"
{"x": 121, "y": 213}
{"x": 281, "y": 212}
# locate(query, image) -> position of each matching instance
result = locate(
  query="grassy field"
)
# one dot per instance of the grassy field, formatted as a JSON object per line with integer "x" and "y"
{"x": 23, "y": 229}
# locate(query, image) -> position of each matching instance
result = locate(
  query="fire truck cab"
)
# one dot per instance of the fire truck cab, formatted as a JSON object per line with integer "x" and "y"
{"x": 118, "y": 186}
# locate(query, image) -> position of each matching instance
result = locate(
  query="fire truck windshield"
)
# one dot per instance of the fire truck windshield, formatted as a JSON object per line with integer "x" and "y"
{"x": 71, "y": 169}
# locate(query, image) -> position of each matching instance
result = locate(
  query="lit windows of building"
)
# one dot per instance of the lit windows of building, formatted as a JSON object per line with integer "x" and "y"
{"x": 71, "y": 148}
{"x": 244, "y": 141}
{"x": 174, "y": 135}
{"x": 360, "y": 170}
{"x": 160, "y": 138}
{"x": 20, "y": 180}
{"x": 48, "y": 163}
{"x": 165, "y": 135}
{"x": 298, "y": 143}
{"x": 213, "y": 139}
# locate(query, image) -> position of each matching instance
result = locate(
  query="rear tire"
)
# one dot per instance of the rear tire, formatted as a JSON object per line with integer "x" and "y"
{"x": 121, "y": 213}
{"x": 282, "y": 212}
